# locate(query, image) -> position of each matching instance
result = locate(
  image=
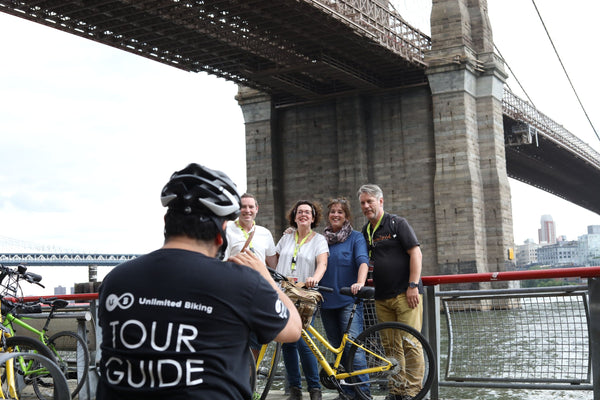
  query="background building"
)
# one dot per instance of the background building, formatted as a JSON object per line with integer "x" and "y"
{"x": 559, "y": 254}
{"x": 589, "y": 247}
{"x": 526, "y": 254}
{"x": 593, "y": 229}
{"x": 60, "y": 290}
{"x": 547, "y": 231}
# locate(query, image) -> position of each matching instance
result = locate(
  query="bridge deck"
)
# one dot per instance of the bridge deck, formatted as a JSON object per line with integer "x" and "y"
{"x": 294, "y": 50}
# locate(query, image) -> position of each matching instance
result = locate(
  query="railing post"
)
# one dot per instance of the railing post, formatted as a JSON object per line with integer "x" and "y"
{"x": 432, "y": 322}
{"x": 93, "y": 376}
{"x": 594, "y": 293}
{"x": 85, "y": 392}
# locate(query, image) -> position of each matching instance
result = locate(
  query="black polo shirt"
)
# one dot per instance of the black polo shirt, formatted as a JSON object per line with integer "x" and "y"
{"x": 391, "y": 263}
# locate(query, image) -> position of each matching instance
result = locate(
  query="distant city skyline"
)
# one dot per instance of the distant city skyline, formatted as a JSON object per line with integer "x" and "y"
{"x": 582, "y": 251}
{"x": 552, "y": 229}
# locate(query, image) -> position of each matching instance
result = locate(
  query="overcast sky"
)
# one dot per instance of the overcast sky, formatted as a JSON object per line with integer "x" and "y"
{"x": 90, "y": 134}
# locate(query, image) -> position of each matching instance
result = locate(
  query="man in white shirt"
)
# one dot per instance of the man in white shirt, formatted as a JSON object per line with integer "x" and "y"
{"x": 261, "y": 244}
{"x": 238, "y": 231}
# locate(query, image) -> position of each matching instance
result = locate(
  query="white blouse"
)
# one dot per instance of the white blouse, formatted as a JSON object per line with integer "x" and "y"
{"x": 306, "y": 256}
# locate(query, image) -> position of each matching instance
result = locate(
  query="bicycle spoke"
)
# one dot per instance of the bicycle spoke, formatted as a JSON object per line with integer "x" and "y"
{"x": 412, "y": 367}
{"x": 73, "y": 358}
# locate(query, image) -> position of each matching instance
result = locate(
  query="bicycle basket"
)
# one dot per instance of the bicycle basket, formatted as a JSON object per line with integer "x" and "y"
{"x": 306, "y": 301}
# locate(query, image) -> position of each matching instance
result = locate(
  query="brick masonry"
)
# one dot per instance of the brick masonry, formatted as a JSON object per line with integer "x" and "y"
{"x": 437, "y": 151}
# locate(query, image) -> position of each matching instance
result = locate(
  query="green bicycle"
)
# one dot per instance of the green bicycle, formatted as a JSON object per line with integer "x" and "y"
{"x": 67, "y": 348}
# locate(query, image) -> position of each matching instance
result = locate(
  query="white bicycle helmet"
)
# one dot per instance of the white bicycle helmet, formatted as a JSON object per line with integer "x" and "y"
{"x": 203, "y": 191}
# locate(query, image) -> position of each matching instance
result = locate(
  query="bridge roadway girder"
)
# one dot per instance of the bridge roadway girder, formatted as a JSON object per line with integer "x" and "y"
{"x": 257, "y": 43}
{"x": 554, "y": 168}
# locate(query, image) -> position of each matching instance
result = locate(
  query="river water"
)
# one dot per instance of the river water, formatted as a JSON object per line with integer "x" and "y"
{"x": 542, "y": 338}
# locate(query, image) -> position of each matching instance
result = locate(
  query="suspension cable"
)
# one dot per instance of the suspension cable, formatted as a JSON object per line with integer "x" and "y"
{"x": 513, "y": 74}
{"x": 565, "y": 70}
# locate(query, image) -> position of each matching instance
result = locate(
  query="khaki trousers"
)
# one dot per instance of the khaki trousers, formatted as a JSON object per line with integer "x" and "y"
{"x": 404, "y": 348}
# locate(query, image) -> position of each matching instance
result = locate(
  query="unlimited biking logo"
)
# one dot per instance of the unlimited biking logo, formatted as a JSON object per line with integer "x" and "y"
{"x": 123, "y": 301}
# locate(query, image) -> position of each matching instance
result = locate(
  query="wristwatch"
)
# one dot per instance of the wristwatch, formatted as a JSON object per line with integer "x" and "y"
{"x": 413, "y": 285}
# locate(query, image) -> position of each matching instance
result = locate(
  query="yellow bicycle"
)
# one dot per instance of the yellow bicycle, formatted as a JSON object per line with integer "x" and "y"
{"x": 8, "y": 389}
{"x": 267, "y": 362}
{"x": 388, "y": 358}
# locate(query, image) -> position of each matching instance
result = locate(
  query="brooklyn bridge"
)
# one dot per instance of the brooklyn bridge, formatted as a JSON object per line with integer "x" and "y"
{"x": 378, "y": 100}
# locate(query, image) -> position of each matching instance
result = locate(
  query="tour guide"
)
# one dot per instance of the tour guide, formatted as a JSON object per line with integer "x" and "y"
{"x": 176, "y": 322}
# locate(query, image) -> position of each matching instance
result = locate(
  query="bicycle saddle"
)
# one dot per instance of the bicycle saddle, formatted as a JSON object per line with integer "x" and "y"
{"x": 59, "y": 303}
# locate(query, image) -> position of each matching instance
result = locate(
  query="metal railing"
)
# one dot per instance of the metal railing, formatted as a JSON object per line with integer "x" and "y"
{"x": 534, "y": 338}
{"x": 380, "y": 23}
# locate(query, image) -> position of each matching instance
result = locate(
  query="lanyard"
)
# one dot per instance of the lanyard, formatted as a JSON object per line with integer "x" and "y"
{"x": 237, "y": 222}
{"x": 370, "y": 235}
{"x": 297, "y": 247}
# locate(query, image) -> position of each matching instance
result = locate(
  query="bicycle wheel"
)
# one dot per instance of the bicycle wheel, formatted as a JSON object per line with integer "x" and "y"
{"x": 413, "y": 364}
{"x": 27, "y": 370}
{"x": 73, "y": 357}
{"x": 266, "y": 368}
{"x": 49, "y": 366}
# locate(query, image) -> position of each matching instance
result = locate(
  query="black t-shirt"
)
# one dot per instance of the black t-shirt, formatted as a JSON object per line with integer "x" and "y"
{"x": 391, "y": 262}
{"x": 175, "y": 324}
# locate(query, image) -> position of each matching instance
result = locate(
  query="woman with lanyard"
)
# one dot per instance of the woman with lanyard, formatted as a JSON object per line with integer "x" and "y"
{"x": 302, "y": 257}
{"x": 347, "y": 267}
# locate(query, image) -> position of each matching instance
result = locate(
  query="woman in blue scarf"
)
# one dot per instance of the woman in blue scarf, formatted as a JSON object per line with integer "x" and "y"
{"x": 347, "y": 267}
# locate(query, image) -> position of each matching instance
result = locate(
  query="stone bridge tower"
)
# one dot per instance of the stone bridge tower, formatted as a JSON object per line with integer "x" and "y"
{"x": 472, "y": 194}
{"x": 436, "y": 150}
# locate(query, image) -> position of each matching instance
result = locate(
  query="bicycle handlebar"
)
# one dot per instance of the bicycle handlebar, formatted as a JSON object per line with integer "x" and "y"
{"x": 324, "y": 289}
{"x": 277, "y": 277}
{"x": 33, "y": 278}
{"x": 21, "y": 273}
{"x": 366, "y": 292}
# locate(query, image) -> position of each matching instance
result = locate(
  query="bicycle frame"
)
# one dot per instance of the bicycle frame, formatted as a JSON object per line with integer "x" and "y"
{"x": 261, "y": 354}
{"x": 9, "y": 367}
{"x": 10, "y": 320}
{"x": 332, "y": 370}
{"x": 7, "y": 330}
{"x": 10, "y": 379}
